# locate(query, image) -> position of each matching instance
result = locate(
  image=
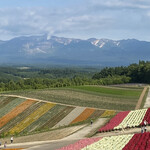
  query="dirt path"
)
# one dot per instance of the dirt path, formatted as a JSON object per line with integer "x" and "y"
{"x": 141, "y": 98}
{"x": 147, "y": 103}
{"x": 41, "y": 138}
{"x": 86, "y": 130}
{"x": 72, "y": 138}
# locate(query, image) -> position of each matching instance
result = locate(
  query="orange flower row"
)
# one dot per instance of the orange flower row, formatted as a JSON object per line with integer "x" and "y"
{"x": 84, "y": 115}
{"x": 16, "y": 111}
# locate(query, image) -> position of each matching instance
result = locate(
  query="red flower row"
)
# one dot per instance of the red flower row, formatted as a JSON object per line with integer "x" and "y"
{"x": 139, "y": 142}
{"x": 146, "y": 117}
{"x": 115, "y": 121}
{"x": 80, "y": 144}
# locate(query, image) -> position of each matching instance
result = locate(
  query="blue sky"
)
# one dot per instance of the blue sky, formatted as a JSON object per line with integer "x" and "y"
{"x": 112, "y": 19}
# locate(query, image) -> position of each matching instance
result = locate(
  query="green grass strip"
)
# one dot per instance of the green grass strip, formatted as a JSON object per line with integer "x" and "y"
{"x": 111, "y": 91}
{"x": 59, "y": 116}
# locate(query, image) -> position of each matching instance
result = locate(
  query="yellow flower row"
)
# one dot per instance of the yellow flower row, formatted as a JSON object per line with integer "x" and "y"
{"x": 31, "y": 118}
{"x": 108, "y": 113}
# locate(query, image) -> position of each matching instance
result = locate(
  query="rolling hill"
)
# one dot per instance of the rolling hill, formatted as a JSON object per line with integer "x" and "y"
{"x": 25, "y": 116}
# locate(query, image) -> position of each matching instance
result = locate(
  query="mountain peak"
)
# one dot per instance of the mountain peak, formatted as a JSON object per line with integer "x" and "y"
{"x": 44, "y": 49}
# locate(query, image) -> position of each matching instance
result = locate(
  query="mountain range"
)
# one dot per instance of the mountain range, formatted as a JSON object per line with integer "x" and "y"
{"x": 69, "y": 51}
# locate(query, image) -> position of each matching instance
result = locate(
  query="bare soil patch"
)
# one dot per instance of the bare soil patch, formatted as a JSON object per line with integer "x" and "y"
{"x": 147, "y": 103}
{"x": 141, "y": 98}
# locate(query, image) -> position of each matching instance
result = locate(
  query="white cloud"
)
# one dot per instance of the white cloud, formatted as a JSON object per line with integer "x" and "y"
{"x": 95, "y": 18}
{"x": 128, "y": 4}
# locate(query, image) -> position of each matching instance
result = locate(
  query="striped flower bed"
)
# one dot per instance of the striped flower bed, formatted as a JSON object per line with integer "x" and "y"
{"x": 57, "y": 117}
{"x": 80, "y": 144}
{"x": 70, "y": 117}
{"x": 5, "y": 100}
{"x": 36, "y": 125}
{"x": 16, "y": 111}
{"x": 140, "y": 141}
{"x": 133, "y": 119}
{"x": 114, "y": 121}
{"x": 146, "y": 117}
{"x": 84, "y": 115}
{"x": 110, "y": 143}
{"x": 126, "y": 119}
{"x": 9, "y": 104}
{"x": 31, "y": 118}
{"x": 20, "y": 115}
{"x": 108, "y": 113}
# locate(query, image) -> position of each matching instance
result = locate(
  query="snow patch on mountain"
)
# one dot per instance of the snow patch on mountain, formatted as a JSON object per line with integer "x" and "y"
{"x": 102, "y": 45}
{"x": 116, "y": 43}
{"x": 101, "y": 42}
{"x": 30, "y": 49}
{"x": 98, "y": 43}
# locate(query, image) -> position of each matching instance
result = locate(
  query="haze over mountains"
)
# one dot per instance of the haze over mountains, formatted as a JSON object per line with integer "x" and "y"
{"x": 60, "y": 50}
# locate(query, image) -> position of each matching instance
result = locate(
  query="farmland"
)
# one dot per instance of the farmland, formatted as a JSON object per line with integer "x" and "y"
{"x": 49, "y": 110}
{"x": 21, "y": 116}
{"x": 89, "y": 96}
{"x": 136, "y": 141}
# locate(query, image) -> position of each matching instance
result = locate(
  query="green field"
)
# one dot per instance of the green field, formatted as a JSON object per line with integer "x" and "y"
{"x": 111, "y": 91}
{"x": 89, "y": 96}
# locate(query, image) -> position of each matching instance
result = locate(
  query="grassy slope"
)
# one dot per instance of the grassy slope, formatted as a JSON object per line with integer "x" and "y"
{"x": 110, "y": 91}
{"x": 89, "y": 96}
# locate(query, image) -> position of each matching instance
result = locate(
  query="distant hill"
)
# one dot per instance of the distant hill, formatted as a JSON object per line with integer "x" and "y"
{"x": 60, "y": 50}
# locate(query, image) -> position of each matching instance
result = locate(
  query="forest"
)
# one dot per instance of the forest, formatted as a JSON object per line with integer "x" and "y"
{"x": 21, "y": 78}
{"x": 138, "y": 73}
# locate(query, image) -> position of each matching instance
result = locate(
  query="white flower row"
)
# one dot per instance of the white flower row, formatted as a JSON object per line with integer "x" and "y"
{"x": 133, "y": 119}
{"x": 110, "y": 143}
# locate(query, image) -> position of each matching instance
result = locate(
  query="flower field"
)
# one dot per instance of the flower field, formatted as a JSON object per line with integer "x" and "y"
{"x": 16, "y": 111}
{"x": 58, "y": 117}
{"x": 80, "y": 144}
{"x": 9, "y": 104}
{"x": 146, "y": 117}
{"x": 70, "y": 117}
{"x": 5, "y": 100}
{"x": 84, "y": 115}
{"x": 96, "y": 113}
{"x": 31, "y": 118}
{"x": 138, "y": 141}
{"x": 133, "y": 119}
{"x": 37, "y": 124}
{"x": 111, "y": 143}
{"x": 114, "y": 121}
{"x": 108, "y": 113}
{"x": 127, "y": 119}
{"x": 20, "y": 115}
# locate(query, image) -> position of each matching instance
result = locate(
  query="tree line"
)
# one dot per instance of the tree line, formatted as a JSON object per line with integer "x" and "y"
{"x": 39, "y": 83}
{"x": 136, "y": 73}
